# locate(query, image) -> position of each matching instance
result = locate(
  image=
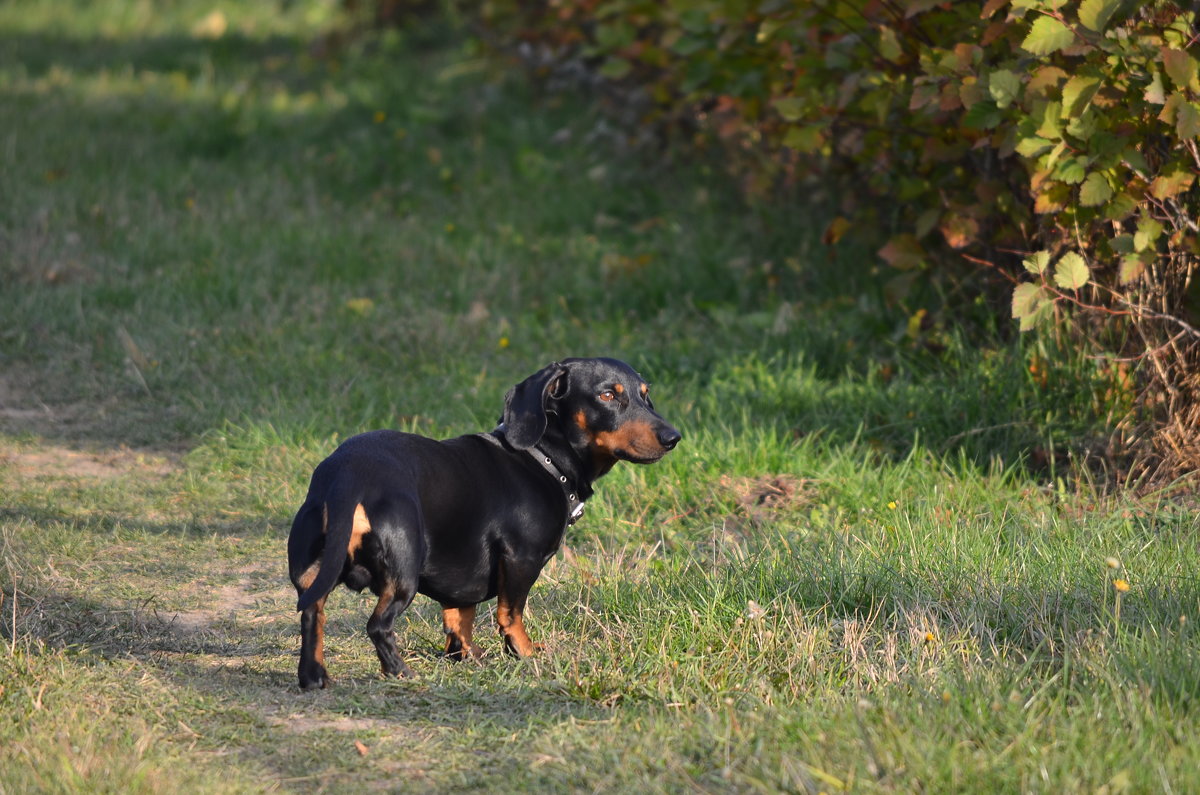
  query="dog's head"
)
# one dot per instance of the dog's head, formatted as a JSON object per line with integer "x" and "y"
{"x": 601, "y": 404}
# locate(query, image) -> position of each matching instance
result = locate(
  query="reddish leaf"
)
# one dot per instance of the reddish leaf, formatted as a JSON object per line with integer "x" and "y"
{"x": 959, "y": 230}
{"x": 903, "y": 252}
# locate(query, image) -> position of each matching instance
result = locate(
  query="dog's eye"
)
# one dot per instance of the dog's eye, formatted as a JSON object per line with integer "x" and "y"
{"x": 608, "y": 394}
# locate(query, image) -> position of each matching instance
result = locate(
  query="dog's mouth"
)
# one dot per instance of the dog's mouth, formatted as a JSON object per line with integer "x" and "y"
{"x": 636, "y": 455}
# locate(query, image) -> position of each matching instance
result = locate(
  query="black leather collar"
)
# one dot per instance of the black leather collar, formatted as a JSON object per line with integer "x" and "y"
{"x": 576, "y": 494}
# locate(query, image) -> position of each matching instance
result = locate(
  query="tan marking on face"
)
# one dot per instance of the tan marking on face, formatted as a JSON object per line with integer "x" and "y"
{"x": 581, "y": 420}
{"x": 360, "y": 528}
{"x": 644, "y": 389}
{"x": 619, "y": 388}
{"x": 632, "y": 437}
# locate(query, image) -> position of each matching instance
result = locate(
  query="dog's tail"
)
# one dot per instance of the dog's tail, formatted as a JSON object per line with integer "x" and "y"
{"x": 338, "y": 518}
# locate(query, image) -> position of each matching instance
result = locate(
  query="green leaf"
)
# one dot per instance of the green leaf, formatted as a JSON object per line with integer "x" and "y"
{"x": 1043, "y": 312}
{"x": 1077, "y": 93}
{"x": 1071, "y": 272}
{"x": 1095, "y": 190}
{"x": 1047, "y": 35}
{"x": 1171, "y": 107}
{"x": 1147, "y": 234}
{"x": 889, "y": 44}
{"x": 1032, "y": 147}
{"x": 1004, "y": 86}
{"x": 1083, "y": 126}
{"x": 1187, "y": 120}
{"x": 1072, "y": 170}
{"x": 1122, "y": 244}
{"x": 1055, "y": 154}
{"x": 1135, "y": 160}
{"x": 1132, "y": 267}
{"x": 1037, "y": 262}
{"x": 790, "y": 108}
{"x": 1051, "y": 198}
{"x": 1051, "y": 120}
{"x": 807, "y": 139}
{"x": 982, "y": 116}
{"x": 1152, "y": 228}
{"x": 1121, "y": 207}
{"x": 1045, "y": 79}
{"x": 1155, "y": 94}
{"x": 1094, "y": 14}
{"x": 616, "y": 68}
{"x": 1026, "y": 298}
{"x": 1031, "y": 304}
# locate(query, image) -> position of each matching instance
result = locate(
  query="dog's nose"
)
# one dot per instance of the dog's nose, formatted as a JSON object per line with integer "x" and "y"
{"x": 668, "y": 437}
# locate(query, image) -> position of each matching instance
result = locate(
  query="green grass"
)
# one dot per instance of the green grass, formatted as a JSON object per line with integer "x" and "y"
{"x": 221, "y": 255}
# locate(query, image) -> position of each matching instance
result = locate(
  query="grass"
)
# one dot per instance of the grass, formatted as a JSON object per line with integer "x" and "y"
{"x": 227, "y": 252}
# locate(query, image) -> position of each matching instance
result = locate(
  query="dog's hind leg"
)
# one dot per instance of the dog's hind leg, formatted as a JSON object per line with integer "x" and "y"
{"x": 396, "y": 531}
{"x": 304, "y": 561}
{"x": 312, "y": 671}
{"x": 392, "y": 602}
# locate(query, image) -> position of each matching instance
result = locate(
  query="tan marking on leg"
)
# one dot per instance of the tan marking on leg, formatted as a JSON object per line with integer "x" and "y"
{"x": 512, "y": 628}
{"x": 319, "y": 651}
{"x": 386, "y": 597}
{"x": 459, "y": 625}
{"x": 310, "y": 574}
{"x": 361, "y": 527}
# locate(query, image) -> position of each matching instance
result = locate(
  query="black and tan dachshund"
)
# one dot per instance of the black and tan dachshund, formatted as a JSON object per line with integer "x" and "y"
{"x": 465, "y": 519}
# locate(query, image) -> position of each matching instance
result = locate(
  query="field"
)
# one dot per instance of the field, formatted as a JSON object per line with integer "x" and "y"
{"x": 230, "y": 238}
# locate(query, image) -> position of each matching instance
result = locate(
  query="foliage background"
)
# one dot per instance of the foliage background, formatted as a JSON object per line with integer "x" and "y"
{"x": 232, "y": 236}
{"x": 983, "y": 141}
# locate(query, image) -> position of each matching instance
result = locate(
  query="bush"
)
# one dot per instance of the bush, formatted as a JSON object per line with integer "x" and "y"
{"x": 1050, "y": 136}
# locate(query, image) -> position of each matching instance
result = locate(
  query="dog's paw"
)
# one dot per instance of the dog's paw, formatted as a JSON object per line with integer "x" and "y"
{"x": 402, "y": 671}
{"x": 521, "y": 646}
{"x": 314, "y": 678}
{"x": 458, "y": 651}
{"x": 471, "y": 651}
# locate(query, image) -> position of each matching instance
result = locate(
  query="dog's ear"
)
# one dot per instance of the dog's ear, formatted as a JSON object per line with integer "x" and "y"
{"x": 525, "y": 405}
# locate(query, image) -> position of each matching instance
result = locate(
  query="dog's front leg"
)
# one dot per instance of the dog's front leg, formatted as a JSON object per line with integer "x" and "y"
{"x": 459, "y": 623}
{"x": 515, "y": 580}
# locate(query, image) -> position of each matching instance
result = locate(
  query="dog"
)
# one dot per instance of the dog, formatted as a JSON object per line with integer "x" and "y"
{"x": 466, "y": 519}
